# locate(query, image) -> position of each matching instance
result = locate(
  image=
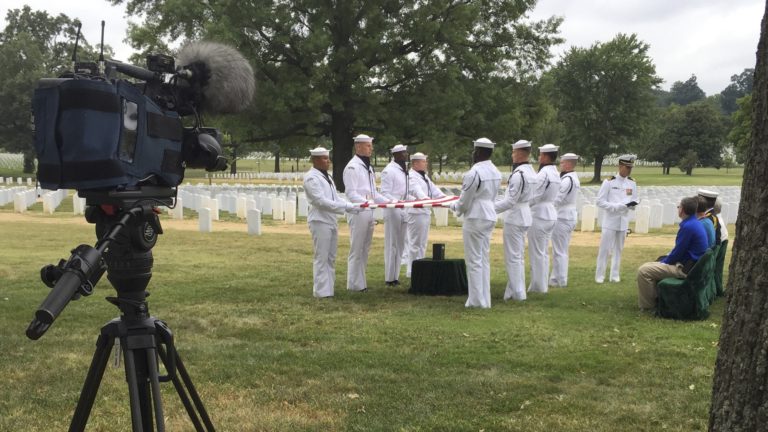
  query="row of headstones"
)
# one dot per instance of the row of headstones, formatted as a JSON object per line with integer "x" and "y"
{"x": 8, "y": 195}
{"x": 52, "y": 199}
{"x": 23, "y": 198}
{"x": 18, "y": 180}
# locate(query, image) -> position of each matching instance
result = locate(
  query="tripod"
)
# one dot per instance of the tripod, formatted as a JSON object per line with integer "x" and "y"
{"x": 127, "y": 232}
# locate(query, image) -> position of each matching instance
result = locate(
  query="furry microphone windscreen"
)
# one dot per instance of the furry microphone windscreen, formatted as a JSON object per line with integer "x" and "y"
{"x": 231, "y": 84}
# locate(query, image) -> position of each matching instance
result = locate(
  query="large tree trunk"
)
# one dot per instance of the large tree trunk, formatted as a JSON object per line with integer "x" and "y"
{"x": 598, "y": 168}
{"x": 277, "y": 160}
{"x": 341, "y": 135}
{"x": 739, "y": 392}
{"x": 29, "y": 162}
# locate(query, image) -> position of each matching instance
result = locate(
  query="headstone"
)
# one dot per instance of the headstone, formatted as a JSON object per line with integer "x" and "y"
{"x": 290, "y": 213}
{"x": 303, "y": 210}
{"x": 29, "y": 181}
{"x": 656, "y": 214}
{"x": 205, "y": 222}
{"x": 78, "y": 204}
{"x": 242, "y": 203}
{"x": 48, "y": 204}
{"x": 254, "y": 222}
{"x": 670, "y": 213}
{"x": 19, "y": 203}
{"x": 178, "y": 211}
{"x": 277, "y": 208}
{"x": 642, "y": 219}
{"x": 588, "y": 214}
{"x": 214, "y": 209}
{"x": 441, "y": 216}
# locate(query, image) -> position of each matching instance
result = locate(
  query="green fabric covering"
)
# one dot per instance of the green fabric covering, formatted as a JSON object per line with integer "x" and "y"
{"x": 439, "y": 277}
{"x": 689, "y": 298}
{"x": 719, "y": 265}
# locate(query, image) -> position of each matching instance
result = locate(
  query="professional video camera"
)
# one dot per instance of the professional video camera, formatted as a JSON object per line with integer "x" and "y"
{"x": 95, "y": 131}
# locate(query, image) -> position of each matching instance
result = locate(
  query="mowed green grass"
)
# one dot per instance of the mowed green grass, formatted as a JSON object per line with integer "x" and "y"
{"x": 267, "y": 356}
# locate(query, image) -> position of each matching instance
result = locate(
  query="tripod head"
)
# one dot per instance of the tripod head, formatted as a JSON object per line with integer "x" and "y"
{"x": 127, "y": 226}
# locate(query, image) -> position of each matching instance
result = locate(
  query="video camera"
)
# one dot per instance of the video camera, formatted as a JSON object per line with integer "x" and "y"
{"x": 96, "y": 132}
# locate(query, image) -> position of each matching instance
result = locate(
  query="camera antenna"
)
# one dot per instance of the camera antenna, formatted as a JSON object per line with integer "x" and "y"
{"x": 101, "y": 53}
{"x": 74, "y": 52}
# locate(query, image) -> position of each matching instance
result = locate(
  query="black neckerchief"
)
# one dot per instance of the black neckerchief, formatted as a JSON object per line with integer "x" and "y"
{"x": 544, "y": 165}
{"x": 366, "y": 160}
{"x": 562, "y": 173}
{"x": 423, "y": 174}
{"x": 327, "y": 177}
{"x": 515, "y": 165}
{"x": 402, "y": 165}
{"x": 424, "y": 177}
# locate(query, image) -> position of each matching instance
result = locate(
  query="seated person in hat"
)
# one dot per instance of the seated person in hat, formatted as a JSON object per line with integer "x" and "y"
{"x": 690, "y": 245}
{"x": 701, "y": 215}
{"x": 711, "y": 197}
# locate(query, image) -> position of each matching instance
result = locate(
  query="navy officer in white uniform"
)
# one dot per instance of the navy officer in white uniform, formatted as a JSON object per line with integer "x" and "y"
{"x": 565, "y": 203}
{"x": 476, "y": 204}
{"x": 394, "y": 186}
{"x": 544, "y": 217}
{"x": 418, "y": 219}
{"x": 617, "y": 196}
{"x": 517, "y": 220}
{"x": 360, "y": 187}
{"x": 325, "y": 204}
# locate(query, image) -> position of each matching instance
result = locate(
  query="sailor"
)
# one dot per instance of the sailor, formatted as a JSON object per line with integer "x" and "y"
{"x": 565, "y": 203}
{"x": 418, "y": 219}
{"x": 476, "y": 204}
{"x": 517, "y": 221}
{"x": 360, "y": 187}
{"x": 394, "y": 186}
{"x": 711, "y": 199}
{"x": 544, "y": 217}
{"x": 325, "y": 204}
{"x": 617, "y": 196}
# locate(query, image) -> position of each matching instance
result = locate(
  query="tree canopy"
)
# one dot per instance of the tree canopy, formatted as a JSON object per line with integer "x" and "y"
{"x": 683, "y": 93}
{"x": 395, "y": 70}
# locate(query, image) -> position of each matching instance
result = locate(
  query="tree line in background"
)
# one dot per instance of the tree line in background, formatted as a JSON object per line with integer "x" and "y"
{"x": 429, "y": 74}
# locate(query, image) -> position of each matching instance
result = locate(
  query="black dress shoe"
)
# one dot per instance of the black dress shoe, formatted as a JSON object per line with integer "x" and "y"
{"x": 396, "y": 282}
{"x": 390, "y": 283}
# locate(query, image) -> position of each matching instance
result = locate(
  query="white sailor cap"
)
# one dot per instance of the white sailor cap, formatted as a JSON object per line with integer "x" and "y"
{"x": 569, "y": 156}
{"x": 548, "y": 148}
{"x": 418, "y": 156}
{"x": 363, "y": 138}
{"x": 399, "y": 148}
{"x": 484, "y": 142}
{"x": 707, "y": 193}
{"x": 521, "y": 144}
{"x": 627, "y": 160}
{"x": 319, "y": 151}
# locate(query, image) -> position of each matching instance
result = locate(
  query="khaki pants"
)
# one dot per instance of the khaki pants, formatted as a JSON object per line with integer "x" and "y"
{"x": 647, "y": 276}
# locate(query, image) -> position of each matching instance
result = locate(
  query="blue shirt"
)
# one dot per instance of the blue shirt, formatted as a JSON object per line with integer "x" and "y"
{"x": 709, "y": 227}
{"x": 690, "y": 244}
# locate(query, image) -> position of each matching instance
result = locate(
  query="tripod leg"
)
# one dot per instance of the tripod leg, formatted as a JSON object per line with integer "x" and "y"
{"x": 182, "y": 391}
{"x": 154, "y": 383}
{"x": 92, "y": 381}
{"x": 138, "y": 394}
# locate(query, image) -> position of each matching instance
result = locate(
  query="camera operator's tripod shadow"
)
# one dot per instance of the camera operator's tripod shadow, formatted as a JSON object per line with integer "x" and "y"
{"x": 127, "y": 233}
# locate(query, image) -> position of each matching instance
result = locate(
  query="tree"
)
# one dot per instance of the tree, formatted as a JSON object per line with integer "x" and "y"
{"x": 33, "y": 45}
{"x": 742, "y": 127}
{"x": 739, "y": 399}
{"x": 605, "y": 95}
{"x": 740, "y": 86}
{"x": 684, "y": 93}
{"x": 334, "y": 69}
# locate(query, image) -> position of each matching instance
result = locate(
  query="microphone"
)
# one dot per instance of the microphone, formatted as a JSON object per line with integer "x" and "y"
{"x": 225, "y": 77}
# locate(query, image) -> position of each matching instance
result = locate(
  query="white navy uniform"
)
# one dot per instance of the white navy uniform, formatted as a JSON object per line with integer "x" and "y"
{"x": 325, "y": 204}
{"x": 394, "y": 186}
{"x": 476, "y": 204}
{"x": 613, "y": 196}
{"x": 544, "y": 217}
{"x": 517, "y": 221}
{"x": 360, "y": 186}
{"x": 565, "y": 203}
{"x": 418, "y": 219}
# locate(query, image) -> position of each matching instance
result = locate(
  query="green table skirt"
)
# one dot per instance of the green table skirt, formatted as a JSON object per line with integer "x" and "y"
{"x": 439, "y": 277}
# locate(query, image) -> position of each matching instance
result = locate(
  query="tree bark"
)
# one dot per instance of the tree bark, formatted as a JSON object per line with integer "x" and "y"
{"x": 341, "y": 135}
{"x": 277, "y": 160}
{"x": 598, "y": 168}
{"x": 29, "y": 162}
{"x": 739, "y": 392}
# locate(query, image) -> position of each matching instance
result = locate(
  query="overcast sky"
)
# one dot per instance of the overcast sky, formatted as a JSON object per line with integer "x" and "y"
{"x": 713, "y": 39}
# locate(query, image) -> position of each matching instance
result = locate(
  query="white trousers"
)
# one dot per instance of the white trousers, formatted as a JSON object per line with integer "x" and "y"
{"x": 360, "y": 236}
{"x": 418, "y": 233}
{"x": 538, "y": 253}
{"x": 325, "y": 238}
{"x": 477, "y": 250}
{"x": 514, "y": 256}
{"x": 561, "y": 239}
{"x": 394, "y": 242}
{"x": 611, "y": 241}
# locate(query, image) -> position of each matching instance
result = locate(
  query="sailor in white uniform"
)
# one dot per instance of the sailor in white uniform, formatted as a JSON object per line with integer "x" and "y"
{"x": 325, "y": 204}
{"x": 476, "y": 204}
{"x": 418, "y": 219}
{"x": 617, "y": 196}
{"x": 395, "y": 186}
{"x": 544, "y": 217}
{"x": 565, "y": 203}
{"x": 360, "y": 187}
{"x": 517, "y": 221}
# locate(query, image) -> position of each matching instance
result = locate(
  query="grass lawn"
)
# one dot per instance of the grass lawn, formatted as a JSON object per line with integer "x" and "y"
{"x": 266, "y": 356}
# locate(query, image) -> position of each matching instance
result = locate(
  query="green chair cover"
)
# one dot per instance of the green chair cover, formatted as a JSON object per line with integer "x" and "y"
{"x": 689, "y": 298}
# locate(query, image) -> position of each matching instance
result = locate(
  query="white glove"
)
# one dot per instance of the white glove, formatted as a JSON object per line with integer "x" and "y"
{"x": 352, "y": 209}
